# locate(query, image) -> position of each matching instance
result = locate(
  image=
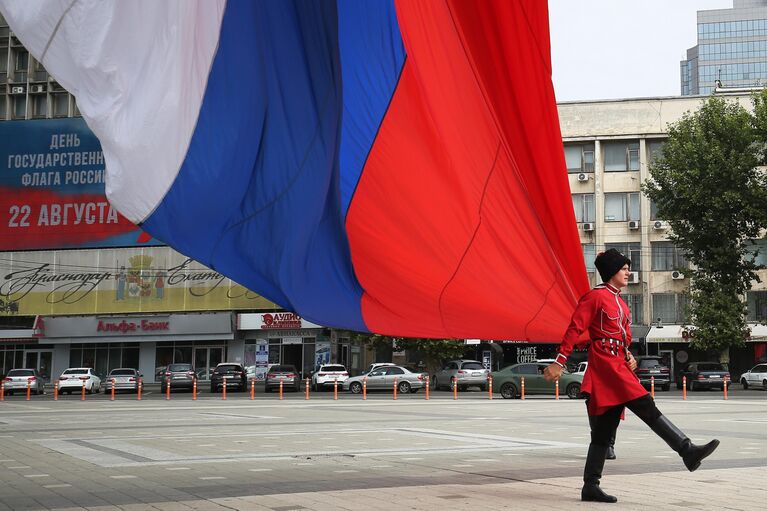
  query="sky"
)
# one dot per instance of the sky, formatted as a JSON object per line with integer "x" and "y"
{"x": 607, "y": 49}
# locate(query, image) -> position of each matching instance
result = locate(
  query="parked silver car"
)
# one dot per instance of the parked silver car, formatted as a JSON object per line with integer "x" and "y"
{"x": 383, "y": 378}
{"x": 16, "y": 381}
{"x": 291, "y": 379}
{"x": 466, "y": 373}
{"x": 124, "y": 379}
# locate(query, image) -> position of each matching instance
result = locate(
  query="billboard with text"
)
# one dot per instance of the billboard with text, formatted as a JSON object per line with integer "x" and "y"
{"x": 113, "y": 281}
{"x": 52, "y": 189}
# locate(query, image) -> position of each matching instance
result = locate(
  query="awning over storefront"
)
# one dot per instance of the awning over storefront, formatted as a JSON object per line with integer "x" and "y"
{"x": 18, "y": 336}
{"x": 679, "y": 333}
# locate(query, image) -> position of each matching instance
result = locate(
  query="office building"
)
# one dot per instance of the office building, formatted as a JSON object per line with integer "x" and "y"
{"x": 731, "y": 49}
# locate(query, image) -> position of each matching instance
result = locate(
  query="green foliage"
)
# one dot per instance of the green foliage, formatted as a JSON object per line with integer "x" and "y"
{"x": 432, "y": 351}
{"x": 706, "y": 184}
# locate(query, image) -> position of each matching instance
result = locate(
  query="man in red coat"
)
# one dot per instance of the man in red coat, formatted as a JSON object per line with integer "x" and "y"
{"x": 610, "y": 382}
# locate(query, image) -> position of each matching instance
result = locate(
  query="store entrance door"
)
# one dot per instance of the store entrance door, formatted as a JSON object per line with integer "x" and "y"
{"x": 293, "y": 354}
{"x": 206, "y": 359}
{"x": 40, "y": 360}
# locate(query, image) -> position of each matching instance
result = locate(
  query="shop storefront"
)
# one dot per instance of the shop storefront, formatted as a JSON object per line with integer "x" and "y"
{"x": 672, "y": 342}
{"x": 21, "y": 349}
{"x": 146, "y": 342}
{"x": 286, "y": 338}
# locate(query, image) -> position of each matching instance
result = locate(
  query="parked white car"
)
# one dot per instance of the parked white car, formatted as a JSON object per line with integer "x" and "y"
{"x": 327, "y": 374}
{"x": 755, "y": 377}
{"x": 72, "y": 379}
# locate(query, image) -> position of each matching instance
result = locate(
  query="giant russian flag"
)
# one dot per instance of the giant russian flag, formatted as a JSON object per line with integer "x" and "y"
{"x": 392, "y": 166}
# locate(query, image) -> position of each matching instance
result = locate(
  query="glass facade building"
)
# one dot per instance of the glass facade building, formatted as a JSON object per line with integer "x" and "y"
{"x": 731, "y": 49}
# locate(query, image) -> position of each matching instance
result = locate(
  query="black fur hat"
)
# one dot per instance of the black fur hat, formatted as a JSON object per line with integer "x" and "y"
{"x": 609, "y": 262}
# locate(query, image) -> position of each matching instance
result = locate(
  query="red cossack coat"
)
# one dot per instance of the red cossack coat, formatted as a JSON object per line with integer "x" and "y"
{"x": 608, "y": 380}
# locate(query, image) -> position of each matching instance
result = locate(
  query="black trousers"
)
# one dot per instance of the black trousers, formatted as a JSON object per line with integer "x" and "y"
{"x": 603, "y": 426}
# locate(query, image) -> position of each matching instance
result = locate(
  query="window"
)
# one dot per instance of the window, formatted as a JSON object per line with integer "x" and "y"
{"x": 669, "y": 308}
{"x": 19, "y": 108}
{"x": 760, "y": 249}
{"x": 39, "y": 106}
{"x": 757, "y": 305}
{"x": 579, "y": 157}
{"x": 631, "y": 250}
{"x": 621, "y": 156}
{"x": 589, "y": 254}
{"x": 527, "y": 369}
{"x": 666, "y": 257}
{"x": 3, "y": 107}
{"x": 3, "y": 60}
{"x": 20, "y": 64}
{"x": 653, "y": 211}
{"x": 621, "y": 207}
{"x": 634, "y": 301}
{"x": 393, "y": 371}
{"x": 60, "y": 104}
{"x": 654, "y": 149}
{"x": 583, "y": 204}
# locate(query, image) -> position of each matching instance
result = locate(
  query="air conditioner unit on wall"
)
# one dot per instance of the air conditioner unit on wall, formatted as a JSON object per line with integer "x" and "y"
{"x": 634, "y": 277}
{"x": 588, "y": 226}
{"x": 633, "y": 225}
{"x": 17, "y": 90}
{"x": 677, "y": 275}
{"x": 38, "y": 88}
{"x": 659, "y": 225}
{"x": 583, "y": 177}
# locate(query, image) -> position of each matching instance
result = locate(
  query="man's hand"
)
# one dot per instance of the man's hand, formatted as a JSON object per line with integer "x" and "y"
{"x": 631, "y": 361}
{"x": 553, "y": 371}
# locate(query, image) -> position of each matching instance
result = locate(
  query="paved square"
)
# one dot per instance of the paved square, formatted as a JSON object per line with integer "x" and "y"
{"x": 294, "y": 454}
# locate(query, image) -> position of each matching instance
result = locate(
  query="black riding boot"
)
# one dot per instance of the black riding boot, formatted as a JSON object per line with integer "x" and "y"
{"x": 592, "y": 473}
{"x": 691, "y": 454}
{"x": 611, "y": 448}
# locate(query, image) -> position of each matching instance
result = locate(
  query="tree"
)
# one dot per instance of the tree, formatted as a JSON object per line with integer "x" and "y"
{"x": 432, "y": 351}
{"x": 706, "y": 184}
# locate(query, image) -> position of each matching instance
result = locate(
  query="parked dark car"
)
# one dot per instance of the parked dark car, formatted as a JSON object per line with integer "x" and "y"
{"x": 704, "y": 375}
{"x": 178, "y": 376}
{"x": 649, "y": 367}
{"x": 229, "y": 374}
{"x": 291, "y": 379}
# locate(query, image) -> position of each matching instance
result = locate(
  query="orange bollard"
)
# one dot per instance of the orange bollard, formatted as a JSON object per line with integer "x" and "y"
{"x": 194, "y": 389}
{"x": 395, "y": 388}
{"x": 252, "y": 389}
{"x": 82, "y": 397}
{"x": 522, "y": 382}
{"x": 281, "y": 389}
{"x": 167, "y": 391}
{"x": 724, "y": 387}
{"x": 684, "y": 387}
{"x": 652, "y": 386}
{"x": 29, "y": 389}
{"x": 2, "y": 391}
{"x": 335, "y": 389}
{"x": 56, "y": 390}
{"x": 489, "y": 387}
{"x": 364, "y": 388}
{"x": 223, "y": 388}
{"x": 427, "y": 387}
{"x": 138, "y": 393}
{"x": 556, "y": 389}
{"x": 113, "y": 391}
{"x": 306, "y": 397}
{"x": 455, "y": 389}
